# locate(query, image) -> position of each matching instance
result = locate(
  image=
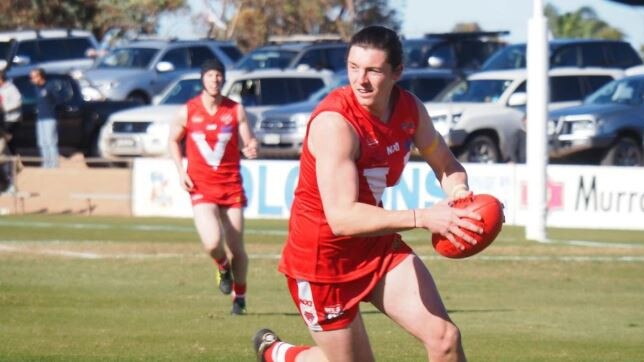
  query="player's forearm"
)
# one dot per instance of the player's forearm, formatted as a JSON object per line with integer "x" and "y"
{"x": 175, "y": 154}
{"x": 360, "y": 219}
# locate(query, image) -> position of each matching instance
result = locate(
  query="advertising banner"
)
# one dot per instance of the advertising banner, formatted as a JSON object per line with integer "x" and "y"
{"x": 578, "y": 196}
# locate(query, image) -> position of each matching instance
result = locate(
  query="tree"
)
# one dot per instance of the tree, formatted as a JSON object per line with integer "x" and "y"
{"x": 582, "y": 23}
{"x": 95, "y": 15}
{"x": 251, "y": 22}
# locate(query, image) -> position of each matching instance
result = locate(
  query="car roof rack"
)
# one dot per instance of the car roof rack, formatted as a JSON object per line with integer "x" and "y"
{"x": 303, "y": 38}
{"x": 468, "y": 34}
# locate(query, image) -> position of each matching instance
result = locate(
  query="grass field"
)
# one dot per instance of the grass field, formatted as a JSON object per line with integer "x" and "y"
{"x": 125, "y": 289}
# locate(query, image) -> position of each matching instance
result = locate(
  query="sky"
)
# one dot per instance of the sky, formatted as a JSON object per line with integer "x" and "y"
{"x": 425, "y": 16}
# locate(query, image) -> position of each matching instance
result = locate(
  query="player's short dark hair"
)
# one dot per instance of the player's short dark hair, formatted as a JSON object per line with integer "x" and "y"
{"x": 212, "y": 64}
{"x": 380, "y": 37}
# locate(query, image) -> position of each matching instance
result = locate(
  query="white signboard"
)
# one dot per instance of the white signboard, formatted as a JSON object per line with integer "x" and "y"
{"x": 578, "y": 196}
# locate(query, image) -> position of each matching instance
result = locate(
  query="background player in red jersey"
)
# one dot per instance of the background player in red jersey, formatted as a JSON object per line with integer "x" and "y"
{"x": 343, "y": 247}
{"x": 211, "y": 126}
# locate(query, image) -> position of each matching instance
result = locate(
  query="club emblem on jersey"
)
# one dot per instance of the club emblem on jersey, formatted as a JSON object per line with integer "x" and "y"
{"x": 197, "y": 119}
{"x": 407, "y": 127}
{"x": 226, "y": 118}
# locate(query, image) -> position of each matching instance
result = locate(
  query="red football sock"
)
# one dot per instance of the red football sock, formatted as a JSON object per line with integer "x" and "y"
{"x": 283, "y": 352}
{"x": 239, "y": 289}
{"x": 222, "y": 263}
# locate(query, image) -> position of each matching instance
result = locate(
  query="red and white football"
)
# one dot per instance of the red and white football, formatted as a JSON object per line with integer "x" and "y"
{"x": 492, "y": 218}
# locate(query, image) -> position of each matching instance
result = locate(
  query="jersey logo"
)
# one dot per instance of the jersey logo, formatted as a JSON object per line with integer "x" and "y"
{"x": 226, "y": 118}
{"x": 211, "y": 127}
{"x": 196, "y": 119}
{"x": 212, "y": 155}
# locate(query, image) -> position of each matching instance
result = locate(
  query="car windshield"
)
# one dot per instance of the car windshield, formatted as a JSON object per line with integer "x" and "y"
{"x": 128, "y": 58}
{"x": 623, "y": 91}
{"x": 264, "y": 59}
{"x": 477, "y": 90}
{"x": 182, "y": 91}
{"x": 510, "y": 57}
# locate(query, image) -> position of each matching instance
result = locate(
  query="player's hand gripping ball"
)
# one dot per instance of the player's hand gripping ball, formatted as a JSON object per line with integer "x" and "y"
{"x": 492, "y": 218}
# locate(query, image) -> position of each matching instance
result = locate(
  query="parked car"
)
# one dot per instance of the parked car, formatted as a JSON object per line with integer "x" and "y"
{"x": 481, "y": 116}
{"x": 261, "y": 90}
{"x": 461, "y": 52}
{"x": 144, "y": 131}
{"x": 55, "y": 50}
{"x": 280, "y": 131}
{"x": 570, "y": 53}
{"x": 607, "y": 129}
{"x": 297, "y": 52}
{"x": 140, "y": 70}
{"x": 78, "y": 121}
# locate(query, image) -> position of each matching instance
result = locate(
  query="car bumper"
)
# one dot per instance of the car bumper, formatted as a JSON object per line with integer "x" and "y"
{"x": 566, "y": 145}
{"x": 276, "y": 144}
{"x": 117, "y": 146}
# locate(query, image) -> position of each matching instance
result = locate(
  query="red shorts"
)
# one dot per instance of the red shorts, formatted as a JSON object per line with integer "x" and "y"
{"x": 332, "y": 306}
{"x": 226, "y": 197}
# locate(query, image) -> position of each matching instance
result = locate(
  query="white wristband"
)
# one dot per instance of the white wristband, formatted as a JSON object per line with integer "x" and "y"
{"x": 459, "y": 190}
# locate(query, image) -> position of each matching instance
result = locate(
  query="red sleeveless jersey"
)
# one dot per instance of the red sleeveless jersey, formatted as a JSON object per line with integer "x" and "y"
{"x": 212, "y": 144}
{"x": 312, "y": 252}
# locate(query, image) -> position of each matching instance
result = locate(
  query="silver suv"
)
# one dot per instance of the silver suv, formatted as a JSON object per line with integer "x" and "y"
{"x": 608, "y": 128}
{"x": 142, "y": 69}
{"x": 55, "y": 50}
{"x": 482, "y": 115}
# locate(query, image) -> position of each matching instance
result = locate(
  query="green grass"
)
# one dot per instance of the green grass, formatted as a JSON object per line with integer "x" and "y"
{"x": 144, "y": 291}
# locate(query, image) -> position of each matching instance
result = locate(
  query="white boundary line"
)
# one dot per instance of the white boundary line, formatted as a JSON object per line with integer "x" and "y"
{"x": 5, "y": 247}
{"x": 191, "y": 229}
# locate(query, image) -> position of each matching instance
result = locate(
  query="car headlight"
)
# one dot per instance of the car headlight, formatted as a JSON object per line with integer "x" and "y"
{"x": 107, "y": 85}
{"x": 300, "y": 119}
{"x": 91, "y": 94}
{"x": 583, "y": 127}
{"x": 159, "y": 130}
{"x": 456, "y": 117}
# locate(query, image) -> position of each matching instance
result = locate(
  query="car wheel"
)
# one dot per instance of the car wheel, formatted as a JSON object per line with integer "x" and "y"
{"x": 138, "y": 97}
{"x": 625, "y": 152}
{"x": 480, "y": 149}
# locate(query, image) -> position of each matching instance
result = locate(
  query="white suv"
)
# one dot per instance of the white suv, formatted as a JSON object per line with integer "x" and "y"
{"x": 481, "y": 116}
{"x": 144, "y": 131}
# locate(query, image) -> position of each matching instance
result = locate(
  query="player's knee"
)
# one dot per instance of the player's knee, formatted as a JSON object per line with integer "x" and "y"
{"x": 447, "y": 345}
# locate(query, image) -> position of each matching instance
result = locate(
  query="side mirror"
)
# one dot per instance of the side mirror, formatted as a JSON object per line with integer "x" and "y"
{"x": 21, "y": 60}
{"x": 163, "y": 67}
{"x": 518, "y": 99}
{"x": 435, "y": 62}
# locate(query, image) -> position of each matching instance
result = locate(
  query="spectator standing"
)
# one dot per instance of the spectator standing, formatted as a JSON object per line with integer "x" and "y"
{"x": 211, "y": 125}
{"x": 46, "y": 132}
{"x": 10, "y": 113}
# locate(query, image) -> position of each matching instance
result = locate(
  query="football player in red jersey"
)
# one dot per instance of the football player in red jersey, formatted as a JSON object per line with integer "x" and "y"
{"x": 343, "y": 248}
{"x": 211, "y": 126}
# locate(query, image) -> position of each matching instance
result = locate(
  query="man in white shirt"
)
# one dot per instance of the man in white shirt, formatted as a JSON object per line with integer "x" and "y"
{"x": 10, "y": 113}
